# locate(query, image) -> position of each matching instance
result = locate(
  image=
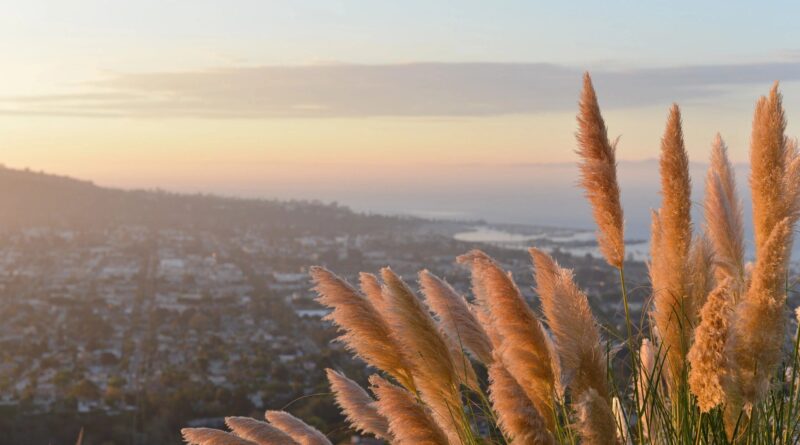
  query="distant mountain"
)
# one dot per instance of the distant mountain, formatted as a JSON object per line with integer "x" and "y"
{"x": 29, "y": 199}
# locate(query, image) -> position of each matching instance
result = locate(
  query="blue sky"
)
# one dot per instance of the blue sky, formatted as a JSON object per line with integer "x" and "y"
{"x": 625, "y": 33}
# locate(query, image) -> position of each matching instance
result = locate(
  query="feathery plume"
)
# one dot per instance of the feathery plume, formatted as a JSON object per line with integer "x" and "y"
{"x": 257, "y": 431}
{"x": 409, "y": 422}
{"x": 701, "y": 275}
{"x": 210, "y": 436}
{"x": 646, "y": 386}
{"x": 723, "y": 215}
{"x": 464, "y": 370}
{"x": 517, "y": 417}
{"x": 524, "y": 346}
{"x": 371, "y": 288}
{"x": 455, "y": 316}
{"x": 598, "y": 169}
{"x": 357, "y": 405}
{"x": 366, "y": 333}
{"x": 623, "y": 435}
{"x": 593, "y": 412}
{"x": 792, "y": 179}
{"x": 767, "y": 163}
{"x": 671, "y": 299}
{"x": 299, "y": 431}
{"x": 577, "y": 337}
{"x": 759, "y": 323}
{"x": 483, "y": 316}
{"x": 561, "y": 380}
{"x": 658, "y": 268}
{"x": 432, "y": 363}
{"x": 707, "y": 355}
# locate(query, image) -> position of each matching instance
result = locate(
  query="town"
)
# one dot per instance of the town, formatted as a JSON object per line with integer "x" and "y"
{"x": 152, "y": 329}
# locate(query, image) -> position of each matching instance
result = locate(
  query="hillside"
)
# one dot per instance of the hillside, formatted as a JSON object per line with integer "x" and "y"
{"x": 30, "y": 199}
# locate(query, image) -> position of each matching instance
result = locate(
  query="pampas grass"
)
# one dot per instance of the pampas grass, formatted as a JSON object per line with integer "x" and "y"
{"x": 456, "y": 316}
{"x": 487, "y": 369}
{"x": 520, "y": 421}
{"x": 582, "y": 355}
{"x": 523, "y": 347}
{"x": 409, "y": 422}
{"x": 707, "y": 355}
{"x": 673, "y": 307}
{"x": 723, "y": 216}
{"x": 258, "y": 432}
{"x": 210, "y": 436}
{"x": 598, "y": 169}
{"x": 767, "y": 163}
{"x": 299, "y": 431}
{"x": 360, "y": 409}
{"x": 366, "y": 333}
{"x": 647, "y": 388}
{"x": 593, "y": 415}
{"x": 436, "y": 372}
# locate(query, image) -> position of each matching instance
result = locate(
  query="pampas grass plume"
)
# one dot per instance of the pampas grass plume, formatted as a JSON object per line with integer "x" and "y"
{"x": 524, "y": 344}
{"x": 517, "y": 417}
{"x": 598, "y": 168}
{"x": 357, "y": 405}
{"x": 299, "y": 431}
{"x": 455, "y": 316}
{"x": 209, "y": 436}
{"x": 707, "y": 355}
{"x": 365, "y": 331}
{"x": 435, "y": 370}
{"x": 409, "y": 422}
{"x": 723, "y": 215}
{"x": 767, "y": 164}
{"x": 593, "y": 412}
{"x": 671, "y": 302}
{"x": 258, "y": 432}
{"x": 575, "y": 331}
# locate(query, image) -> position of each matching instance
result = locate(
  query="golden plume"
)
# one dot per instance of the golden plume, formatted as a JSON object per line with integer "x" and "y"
{"x": 593, "y": 412}
{"x": 707, "y": 355}
{"x": 366, "y": 333}
{"x": 517, "y": 417}
{"x": 210, "y": 436}
{"x": 768, "y": 165}
{"x": 371, "y": 288}
{"x": 299, "y": 431}
{"x": 671, "y": 298}
{"x": 598, "y": 169}
{"x": 257, "y": 431}
{"x": 409, "y": 422}
{"x": 759, "y": 323}
{"x": 701, "y": 276}
{"x": 455, "y": 316}
{"x": 647, "y": 385}
{"x": 524, "y": 349}
{"x": 357, "y": 405}
{"x": 792, "y": 179}
{"x": 723, "y": 216}
{"x": 575, "y": 331}
{"x": 435, "y": 372}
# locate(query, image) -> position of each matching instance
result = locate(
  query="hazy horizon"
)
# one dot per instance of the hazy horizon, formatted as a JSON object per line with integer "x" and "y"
{"x": 501, "y": 194}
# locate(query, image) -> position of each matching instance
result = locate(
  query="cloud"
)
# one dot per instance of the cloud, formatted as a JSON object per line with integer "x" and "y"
{"x": 414, "y": 89}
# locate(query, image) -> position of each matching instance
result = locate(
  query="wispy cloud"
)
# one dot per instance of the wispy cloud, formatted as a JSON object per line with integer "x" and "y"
{"x": 415, "y": 89}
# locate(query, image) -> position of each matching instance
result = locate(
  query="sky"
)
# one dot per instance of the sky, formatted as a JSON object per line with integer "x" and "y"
{"x": 298, "y": 98}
